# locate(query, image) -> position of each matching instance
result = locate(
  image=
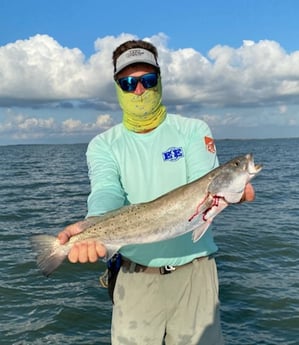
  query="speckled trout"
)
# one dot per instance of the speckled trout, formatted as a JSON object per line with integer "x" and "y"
{"x": 191, "y": 207}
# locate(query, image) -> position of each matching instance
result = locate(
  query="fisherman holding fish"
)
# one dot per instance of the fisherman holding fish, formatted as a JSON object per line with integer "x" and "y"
{"x": 166, "y": 290}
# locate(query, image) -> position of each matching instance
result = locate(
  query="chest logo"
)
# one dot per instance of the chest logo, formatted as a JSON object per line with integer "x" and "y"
{"x": 173, "y": 154}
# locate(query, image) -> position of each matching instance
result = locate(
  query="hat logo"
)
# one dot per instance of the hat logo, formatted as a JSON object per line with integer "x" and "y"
{"x": 135, "y": 52}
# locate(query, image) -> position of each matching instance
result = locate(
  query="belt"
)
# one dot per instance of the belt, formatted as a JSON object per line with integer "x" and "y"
{"x": 131, "y": 267}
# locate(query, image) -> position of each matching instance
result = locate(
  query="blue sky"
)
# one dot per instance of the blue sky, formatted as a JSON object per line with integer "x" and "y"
{"x": 233, "y": 63}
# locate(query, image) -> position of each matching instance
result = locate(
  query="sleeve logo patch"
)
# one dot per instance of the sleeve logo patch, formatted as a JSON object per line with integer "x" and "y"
{"x": 210, "y": 144}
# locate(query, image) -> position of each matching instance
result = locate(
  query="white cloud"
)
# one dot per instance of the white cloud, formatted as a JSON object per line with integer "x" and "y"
{"x": 18, "y": 121}
{"x": 73, "y": 126}
{"x": 283, "y": 109}
{"x": 39, "y": 69}
{"x": 104, "y": 121}
{"x": 34, "y": 123}
{"x": 253, "y": 85}
{"x": 25, "y": 127}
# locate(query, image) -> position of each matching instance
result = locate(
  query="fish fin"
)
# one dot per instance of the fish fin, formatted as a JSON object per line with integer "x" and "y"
{"x": 111, "y": 250}
{"x": 200, "y": 231}
{"x": 207, "y": 217}
{"x": 232, "y": 197}
{"x": 50, "y": 253}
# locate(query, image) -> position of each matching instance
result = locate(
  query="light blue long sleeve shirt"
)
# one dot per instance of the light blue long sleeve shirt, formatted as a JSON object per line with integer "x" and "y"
{"x": 129, "y": 168}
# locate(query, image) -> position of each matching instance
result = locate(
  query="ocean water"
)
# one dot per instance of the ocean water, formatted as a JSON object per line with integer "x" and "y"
{"x": 44, "y": 187}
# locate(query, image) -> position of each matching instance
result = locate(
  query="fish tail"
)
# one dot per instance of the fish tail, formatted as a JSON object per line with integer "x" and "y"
{"x": 50, "y": 253}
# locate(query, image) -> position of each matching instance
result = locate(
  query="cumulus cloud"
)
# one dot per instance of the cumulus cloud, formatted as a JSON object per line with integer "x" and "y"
{"x": 25, "y": 127}
{"x": 39, "y": 69}
{"x": 226, "y": 86}
{"x": 102, "y": 122}
{"x": 19, "y": 126}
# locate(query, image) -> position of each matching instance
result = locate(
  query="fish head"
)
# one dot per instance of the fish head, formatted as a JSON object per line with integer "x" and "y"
{"x": 231, "y": 178}
{"x": 244, "y": 165}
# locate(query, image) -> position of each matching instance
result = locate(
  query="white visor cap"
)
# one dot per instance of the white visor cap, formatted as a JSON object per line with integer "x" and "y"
{"x": 135, "y": 55}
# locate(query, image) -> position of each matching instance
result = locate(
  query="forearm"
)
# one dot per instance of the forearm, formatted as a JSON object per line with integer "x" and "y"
{"x": 106, "y": 190}
{"x": 102, "y": 201}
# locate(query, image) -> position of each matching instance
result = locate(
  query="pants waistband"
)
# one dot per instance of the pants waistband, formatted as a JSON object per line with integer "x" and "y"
{"x": 131, "y": 267}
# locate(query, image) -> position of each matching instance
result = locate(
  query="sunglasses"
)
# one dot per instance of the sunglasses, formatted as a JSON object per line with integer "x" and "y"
{"x": 129, "y": 84}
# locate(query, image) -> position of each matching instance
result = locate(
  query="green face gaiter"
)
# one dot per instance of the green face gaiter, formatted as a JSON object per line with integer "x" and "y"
{"x": 142, "y": 112}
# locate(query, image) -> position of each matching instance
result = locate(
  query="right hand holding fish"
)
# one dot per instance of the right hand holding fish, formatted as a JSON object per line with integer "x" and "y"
{"x": 83, "y": 251}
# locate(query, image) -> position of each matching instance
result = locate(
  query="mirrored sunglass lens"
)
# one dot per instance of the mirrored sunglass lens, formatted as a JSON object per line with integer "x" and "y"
{"x": 128, "y": 83}
{"x": 149, "y": 80}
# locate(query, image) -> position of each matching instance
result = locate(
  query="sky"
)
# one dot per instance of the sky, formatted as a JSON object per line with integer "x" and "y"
{"x": 233, "y": 64}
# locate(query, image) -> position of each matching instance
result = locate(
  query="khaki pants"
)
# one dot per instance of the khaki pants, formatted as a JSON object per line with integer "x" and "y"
{"x": 180, "y": 308}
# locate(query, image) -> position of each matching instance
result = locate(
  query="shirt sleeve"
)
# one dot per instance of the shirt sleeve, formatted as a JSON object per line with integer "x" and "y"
{"x": 201, "y": 155}
{"x": 106, "y": 193}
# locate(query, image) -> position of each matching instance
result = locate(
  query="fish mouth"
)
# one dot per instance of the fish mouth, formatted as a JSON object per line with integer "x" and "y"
{"x": 258, "y": 167}
{"x": 253, "y": 168}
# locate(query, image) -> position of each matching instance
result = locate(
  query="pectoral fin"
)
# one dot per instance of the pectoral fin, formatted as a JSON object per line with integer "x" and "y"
{"x": 207, "y": 217}
{"x": 200, "y": 231}
{"x": 111, "y": 250}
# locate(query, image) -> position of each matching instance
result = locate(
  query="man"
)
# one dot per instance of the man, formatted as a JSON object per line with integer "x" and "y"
{"x": 166, "y": 290}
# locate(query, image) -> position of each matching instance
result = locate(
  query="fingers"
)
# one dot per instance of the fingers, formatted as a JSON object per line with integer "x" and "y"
{"x": 63, "y": 237}
{"x": 85, "y": 251}
{"x": 249, "y": 193}
{"x": 89, "y": 251}
{"x": 101, "y": 250}
{"x": 74, "y": 254}
{"x": 69, "y": 231}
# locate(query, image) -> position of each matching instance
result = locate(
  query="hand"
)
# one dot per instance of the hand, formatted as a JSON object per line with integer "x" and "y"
{"x": 84, "y": 251}
{"x": 249, "y": 193}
